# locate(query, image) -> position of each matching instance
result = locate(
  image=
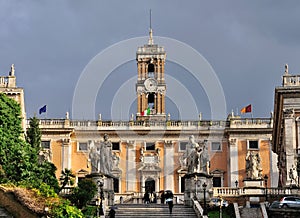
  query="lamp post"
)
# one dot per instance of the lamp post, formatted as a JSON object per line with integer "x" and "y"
{"x": 221, "y": 204}
{"x": 204, "y": 198}
{"x": 100, "y": 199}
{"x": 266, "y": 188}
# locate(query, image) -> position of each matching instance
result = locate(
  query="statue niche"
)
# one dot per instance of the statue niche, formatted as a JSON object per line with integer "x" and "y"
{"x": 253, "y": 166}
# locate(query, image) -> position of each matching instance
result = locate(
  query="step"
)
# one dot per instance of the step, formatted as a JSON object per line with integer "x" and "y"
{"x": 153, "y": 210}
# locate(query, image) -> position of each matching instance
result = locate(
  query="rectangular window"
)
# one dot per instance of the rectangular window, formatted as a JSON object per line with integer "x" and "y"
{"x": 182, "y": 146}
{"x": 216, "y": 181}
{"x": 116, "y": 146}
{"x": 45, "y": 144}
{"x": 150, "y": 146}
{"x": 216, "y": 146}
{"x": 253, "y": 144}
{"x": 82, "y": 146}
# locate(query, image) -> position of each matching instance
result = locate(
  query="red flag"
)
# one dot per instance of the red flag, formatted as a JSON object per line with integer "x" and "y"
{"x": 247, "y": 109}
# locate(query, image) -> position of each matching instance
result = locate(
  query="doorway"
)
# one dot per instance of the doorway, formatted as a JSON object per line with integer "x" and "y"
{"x": 150, "y": 185}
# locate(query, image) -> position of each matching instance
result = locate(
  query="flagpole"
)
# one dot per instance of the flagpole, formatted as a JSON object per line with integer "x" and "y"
{"x": 46, "y": 113}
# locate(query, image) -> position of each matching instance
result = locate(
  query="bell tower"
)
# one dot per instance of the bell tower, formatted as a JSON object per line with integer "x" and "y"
{"x": 150, "y": 85}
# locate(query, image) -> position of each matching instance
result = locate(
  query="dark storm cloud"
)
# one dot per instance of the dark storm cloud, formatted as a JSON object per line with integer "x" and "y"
{"x": 246, "y": 42}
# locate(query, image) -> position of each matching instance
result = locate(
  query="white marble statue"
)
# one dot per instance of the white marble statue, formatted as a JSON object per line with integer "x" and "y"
{"x": 253, "y": 165}
{"x": 12, "y": 70}
{"x": 94, "y": 156}
{"x": 106, "y": 160}
{"x": 293, "y": 175}
{"x": 101, "y": 157}
{"x": 196, "y": 157}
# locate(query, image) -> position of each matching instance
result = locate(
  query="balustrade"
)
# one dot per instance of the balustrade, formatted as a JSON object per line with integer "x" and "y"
{"x": 172, "y": 124}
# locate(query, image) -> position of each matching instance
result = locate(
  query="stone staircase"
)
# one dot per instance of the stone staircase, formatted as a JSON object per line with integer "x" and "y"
{"x": 251, "y": 212}
{"x": 153, "y": 210}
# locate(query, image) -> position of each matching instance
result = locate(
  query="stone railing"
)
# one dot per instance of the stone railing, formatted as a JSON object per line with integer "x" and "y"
{"x": 156, "y": 125}
{"x": 66, "y": 191}
{"x": 251, "y": 123}
{"x": 198, "y": 209}
{"x": 227, "y": 191}
{"x": 83, "y": 124}
{"x": 290, "y": 80}
{"x": 137, "y": 198}
{"x": 235, "y": 192}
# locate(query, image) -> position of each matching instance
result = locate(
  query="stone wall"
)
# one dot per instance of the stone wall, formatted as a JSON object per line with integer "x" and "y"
{"x": 10, "y": 203}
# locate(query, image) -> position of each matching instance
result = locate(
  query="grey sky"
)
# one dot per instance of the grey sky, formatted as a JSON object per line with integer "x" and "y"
{"x": 246, "y": 42}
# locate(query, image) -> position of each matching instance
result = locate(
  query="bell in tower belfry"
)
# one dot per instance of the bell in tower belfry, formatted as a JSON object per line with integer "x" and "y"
{"x": 150, "y": 85}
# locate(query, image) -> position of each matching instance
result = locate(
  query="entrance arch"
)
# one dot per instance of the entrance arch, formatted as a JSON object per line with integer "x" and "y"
{"x": 150, "y": 185}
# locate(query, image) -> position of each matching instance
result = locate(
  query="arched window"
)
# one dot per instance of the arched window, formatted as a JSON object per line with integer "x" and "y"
{"x": 150, "y": 70}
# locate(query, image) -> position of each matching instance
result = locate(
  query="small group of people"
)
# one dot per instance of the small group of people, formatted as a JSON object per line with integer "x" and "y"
{"x": 165, "y": 196}
{"x": 150, "y": 198}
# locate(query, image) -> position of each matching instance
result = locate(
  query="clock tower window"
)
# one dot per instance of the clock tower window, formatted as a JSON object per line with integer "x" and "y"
{"x": 151, "y": 101}
{"x": 151, "y": 71}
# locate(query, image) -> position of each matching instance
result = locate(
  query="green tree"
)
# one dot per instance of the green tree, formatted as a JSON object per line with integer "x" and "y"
{"x": 14, "y": 151}
{"x": 84, "y": 192}
{"x": 33, "y": 134}
{"x": 19, "y": 159}
{"x": 45, "y": 171}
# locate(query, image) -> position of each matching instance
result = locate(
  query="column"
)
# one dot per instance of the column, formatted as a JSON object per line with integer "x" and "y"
{"x": 290, "y": 145}
{"x": 66, "y": 154}
{"x": 138, "y": 103}
{"x": 162, "y": 104}
{"x": 169, "y": 166}
{"x": 158, "y": 70}
{"x": 158, "y": 103}
{"x": 162, "y": 70}
{"x": 234, "y": 164}
{"x": 130, "y": 168}
{"x": 145, "y": 102}
{"x": 143, "y": 70}
{"x": 155, "y": 102}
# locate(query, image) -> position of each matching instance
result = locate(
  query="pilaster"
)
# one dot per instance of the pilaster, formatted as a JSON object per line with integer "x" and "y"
{"x": 234, "y": 164}
{"x": 131, "y": 168}
{"x": 169, "y": 166}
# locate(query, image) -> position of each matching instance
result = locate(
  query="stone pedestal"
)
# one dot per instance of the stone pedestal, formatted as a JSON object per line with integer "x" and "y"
{"x": 258, "y": 183}
{"x": 104, "y": 183}
{"x": 194, "y": 187}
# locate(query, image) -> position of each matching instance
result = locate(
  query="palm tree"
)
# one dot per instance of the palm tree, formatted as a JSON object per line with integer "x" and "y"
{"x": 66, "y": 178}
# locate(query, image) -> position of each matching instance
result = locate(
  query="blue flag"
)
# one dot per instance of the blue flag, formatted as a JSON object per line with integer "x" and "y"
{"x": 43, "y": 109}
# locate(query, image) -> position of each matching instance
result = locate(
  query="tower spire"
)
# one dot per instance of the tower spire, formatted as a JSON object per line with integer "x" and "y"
{"x": 150, "y": 42}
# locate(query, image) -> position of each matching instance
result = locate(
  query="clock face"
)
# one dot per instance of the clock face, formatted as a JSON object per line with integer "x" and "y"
{"x": 150, "y": 84}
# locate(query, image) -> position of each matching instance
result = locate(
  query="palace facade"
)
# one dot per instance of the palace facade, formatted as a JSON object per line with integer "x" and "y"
{"x": 147, "y": 150}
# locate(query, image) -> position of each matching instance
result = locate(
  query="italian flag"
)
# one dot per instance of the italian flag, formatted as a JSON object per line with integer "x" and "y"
{"x": 146, "y": 112}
